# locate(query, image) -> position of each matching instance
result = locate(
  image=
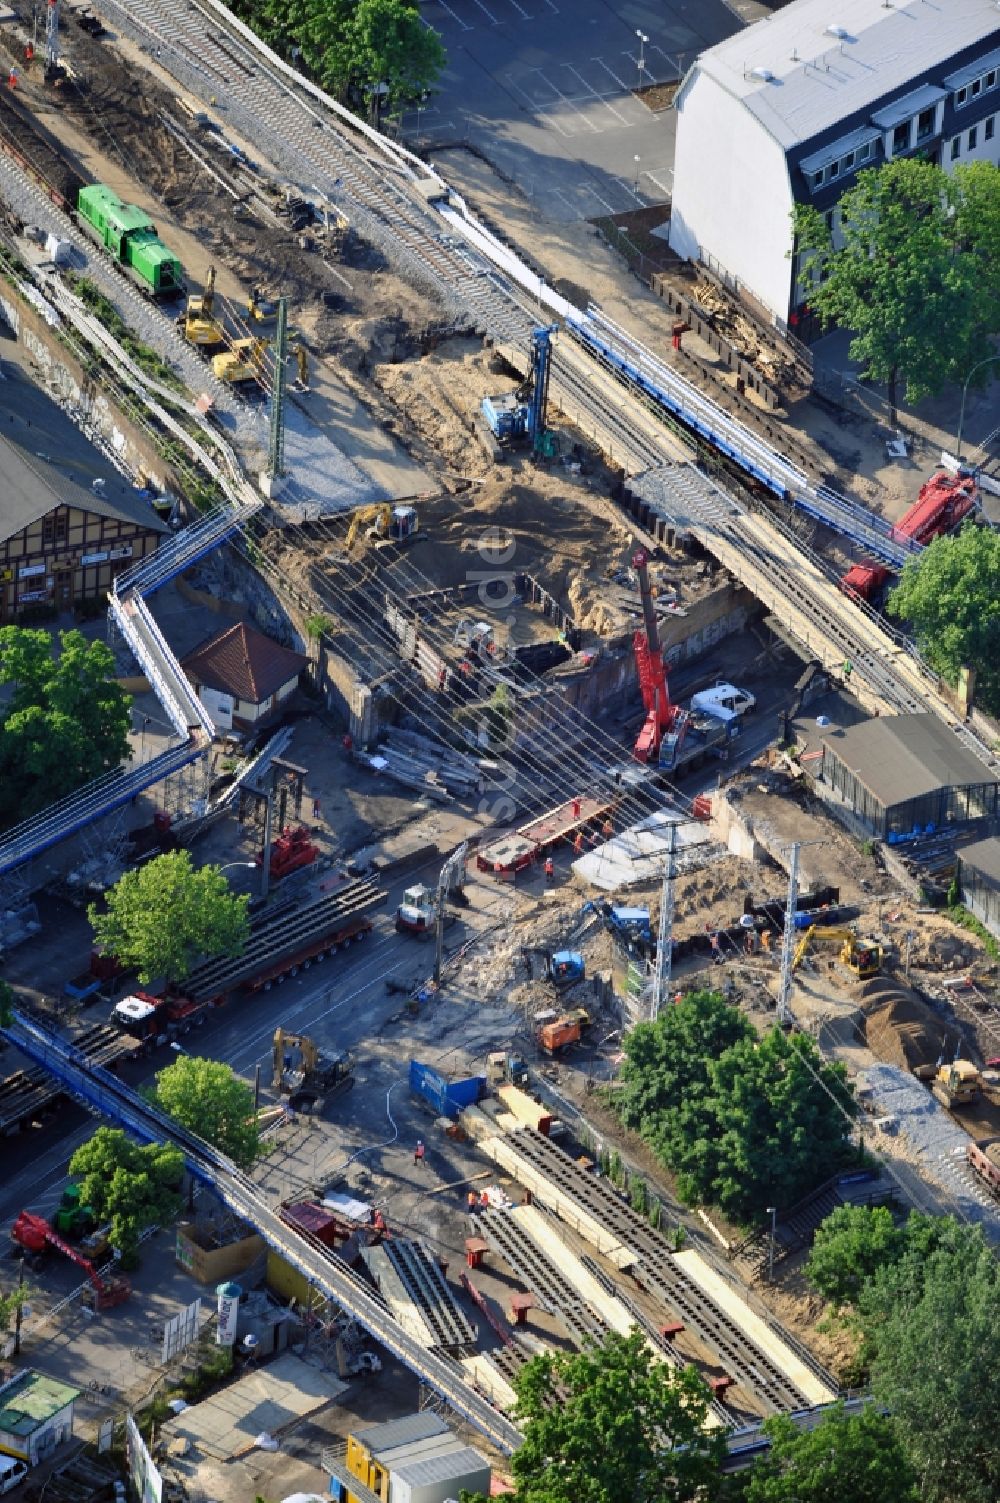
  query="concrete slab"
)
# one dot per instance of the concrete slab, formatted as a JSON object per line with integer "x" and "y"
{"x": 227, "y": 1425}
{"x": 638, "y": 853}
{"x": 726, "y": 1298}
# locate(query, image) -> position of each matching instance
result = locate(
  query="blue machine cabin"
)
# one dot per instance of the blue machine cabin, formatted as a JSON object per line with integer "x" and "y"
{"x": 447, "y": 1097}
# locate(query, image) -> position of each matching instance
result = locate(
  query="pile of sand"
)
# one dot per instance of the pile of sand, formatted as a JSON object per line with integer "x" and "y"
{"x": 901, "y": 1029}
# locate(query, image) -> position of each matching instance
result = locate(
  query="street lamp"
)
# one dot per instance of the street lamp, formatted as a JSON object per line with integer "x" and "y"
{"x": 990, "y": 360}
{"x": 637, "y": 160}
{"x": 643, "y": 39}
{"x": 772, "y": 1211}
{"x": 250, "y": 866}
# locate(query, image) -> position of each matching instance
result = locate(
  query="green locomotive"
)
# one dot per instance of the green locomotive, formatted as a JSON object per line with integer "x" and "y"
{"x": 129, "y": 235}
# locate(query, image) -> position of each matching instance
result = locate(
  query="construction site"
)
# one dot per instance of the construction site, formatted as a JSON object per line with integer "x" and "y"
{"x": 522, "y": 666}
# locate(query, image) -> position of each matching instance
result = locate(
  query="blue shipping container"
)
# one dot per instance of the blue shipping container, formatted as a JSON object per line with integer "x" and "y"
{"x": 447, "y": 1097}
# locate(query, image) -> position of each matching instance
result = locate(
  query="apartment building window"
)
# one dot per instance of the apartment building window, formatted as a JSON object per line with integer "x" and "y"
{"x": 864, "y": 152}
{"x": 901, "y": 138}
{"x": 925, "y": 123}
{"x": 956, "y": 148}
{"x": 988, "y": 128}
{"x": 973, "y": 137}
{"x": 961, "y": 97}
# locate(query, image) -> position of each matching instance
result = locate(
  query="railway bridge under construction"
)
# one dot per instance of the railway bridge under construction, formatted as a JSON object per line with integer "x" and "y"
{"x": 642, "y": 413}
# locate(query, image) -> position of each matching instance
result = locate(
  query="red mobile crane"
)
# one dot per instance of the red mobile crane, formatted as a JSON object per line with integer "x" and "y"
{"x": 944, "y": 501}
{"x": 665, "y": 723}
{"x": 34, "y": 1234}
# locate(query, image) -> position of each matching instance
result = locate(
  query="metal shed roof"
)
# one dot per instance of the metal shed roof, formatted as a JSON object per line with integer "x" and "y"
{"x": 984, "y": 856}
{"x": 399, "y": 1432}
{"x": 902, "y": 757}
{"x": 830, "y": 59}
{"x": 453, "y": 1466}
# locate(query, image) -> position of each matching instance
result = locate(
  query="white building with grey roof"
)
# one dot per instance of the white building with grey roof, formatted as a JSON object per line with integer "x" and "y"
{"x": 793, "y": 108}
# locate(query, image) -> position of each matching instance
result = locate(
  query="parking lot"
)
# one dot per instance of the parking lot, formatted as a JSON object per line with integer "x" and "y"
{"x": 545, "y": 91}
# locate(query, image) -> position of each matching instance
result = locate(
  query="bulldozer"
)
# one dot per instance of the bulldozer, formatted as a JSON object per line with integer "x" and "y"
{"x": 863, "y": 958}
{"x": 199, "y": 326}
{"x": 957, "y": 1084}
{"x": 242, "y": 364}
{"x": 309, "y": 1079}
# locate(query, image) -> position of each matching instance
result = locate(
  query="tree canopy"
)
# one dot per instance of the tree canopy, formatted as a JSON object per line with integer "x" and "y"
{"x": 131, "y": 1187}
{"x": 207, "y": 1098}
{"x": 376, "y": 54}
{"x": 933, "y": 1321}
{"x": 64, "y": 720}
{"x": 163, "y": 916}
{"x": 613, "y": 1423}
{"x": 744, "y": 1122}
{"x": 6, "y": 1003}
{"x": 850, "y": 1247}
{"x": 950, "y": 595}
{"x": 842, "y": 1459}
{"x": 915, "y": 275}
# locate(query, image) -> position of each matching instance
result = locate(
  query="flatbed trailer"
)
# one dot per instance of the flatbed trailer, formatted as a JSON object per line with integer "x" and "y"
{"x": 515, "y": 852}
{"x": 27, "y": 1095}
{"x": 282, "y": 944}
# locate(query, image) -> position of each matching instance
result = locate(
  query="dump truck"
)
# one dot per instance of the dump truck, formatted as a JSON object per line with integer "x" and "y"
{"x": 289, "y": 941}
{"x": 559, "y": 1032}
{"x": 308, "y": 1078}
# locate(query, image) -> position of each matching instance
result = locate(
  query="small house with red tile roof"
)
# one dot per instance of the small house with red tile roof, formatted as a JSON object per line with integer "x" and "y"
{"x": 243, "y": 677}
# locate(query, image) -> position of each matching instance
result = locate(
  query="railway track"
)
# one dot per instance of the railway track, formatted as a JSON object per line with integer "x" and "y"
{"x": 27, "y": 1095}
{"x": 657, "y": 1271}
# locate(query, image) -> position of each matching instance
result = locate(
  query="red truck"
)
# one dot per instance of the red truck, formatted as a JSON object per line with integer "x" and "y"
{"x": 156, "y": 1020}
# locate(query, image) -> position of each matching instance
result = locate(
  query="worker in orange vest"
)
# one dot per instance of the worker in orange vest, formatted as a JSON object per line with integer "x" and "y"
{"x": 550, "y": 869}
{"x": 608, "y": 830}
{"x": 578, "y": 844}
{"x": 418, "y": 1154}
{"x": 576, "y": 808}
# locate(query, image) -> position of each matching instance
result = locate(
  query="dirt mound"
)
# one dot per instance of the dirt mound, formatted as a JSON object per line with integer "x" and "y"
{"x": 901, "y": 1028}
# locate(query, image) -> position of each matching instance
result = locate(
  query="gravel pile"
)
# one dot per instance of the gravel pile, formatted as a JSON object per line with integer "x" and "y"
{"x": 938, "y": 1142}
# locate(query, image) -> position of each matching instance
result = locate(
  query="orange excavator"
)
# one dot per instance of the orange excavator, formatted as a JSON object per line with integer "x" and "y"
{"x": 665, "y": 723}
{"x": 34, "y": 1234}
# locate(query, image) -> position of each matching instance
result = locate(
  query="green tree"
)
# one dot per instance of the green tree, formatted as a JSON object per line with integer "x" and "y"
{"x": 163, "y": 916}
{"x": 950, "y": 596}
{"x": 614, "y": 1423}
{"x": 934, "y": 1325}
{"x": 744, "y": 1122}
{"x": 901, "y": 280}
{"x": 850, "y": 1247}
{"x": 842, "y": 1459}
{"x": 64, "y": 721}
{"x": 7, "y": 1001}
{"x": 131, "y": 1187}
{"x": 665, "y": 1073}
{"x": 977, "y": 221}
{"x": 391, "y": 47}
{"x": 207, "y": 1098}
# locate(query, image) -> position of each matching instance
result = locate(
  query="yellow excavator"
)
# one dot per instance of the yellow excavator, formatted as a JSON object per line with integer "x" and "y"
{"x": 242, "y": 364}
{"x": 863, "y": 958}
{"x": 387, "y": 524}
{"x": 305, "y": 1076}
{"x": 200, "y": 328}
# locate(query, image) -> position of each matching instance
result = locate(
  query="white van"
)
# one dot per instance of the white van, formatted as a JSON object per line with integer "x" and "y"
{"x": 724, "y": 702}
{"x": 11, "y": 1473}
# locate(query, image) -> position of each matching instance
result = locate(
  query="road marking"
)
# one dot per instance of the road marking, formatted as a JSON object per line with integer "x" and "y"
{"x": 593, "y": 94}
{"x": 445, "y": 6}
{"x": 488, "y": 14}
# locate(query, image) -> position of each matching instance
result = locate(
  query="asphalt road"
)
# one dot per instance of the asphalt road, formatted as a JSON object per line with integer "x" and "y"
{"x": 544, "y": 88}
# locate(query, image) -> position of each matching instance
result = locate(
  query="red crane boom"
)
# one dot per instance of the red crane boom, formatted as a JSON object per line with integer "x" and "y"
{"x": 34, "y": 1233}
{"x": 944, "y": 501}
{"x": 665, "y": 723}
